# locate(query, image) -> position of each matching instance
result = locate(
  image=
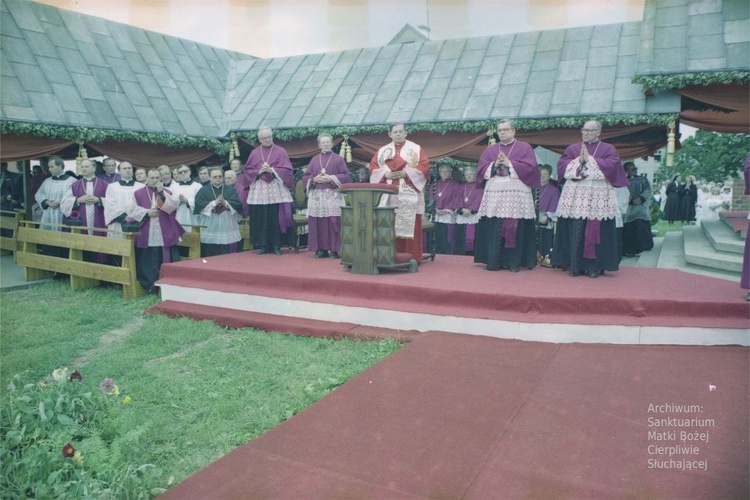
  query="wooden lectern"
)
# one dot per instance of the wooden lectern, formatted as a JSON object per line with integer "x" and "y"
{"x": 368, "y": 235}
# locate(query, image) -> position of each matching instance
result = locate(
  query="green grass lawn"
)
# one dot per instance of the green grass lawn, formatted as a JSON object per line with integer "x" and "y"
{"x": 663, "y": 227}
{"x": 198, "y": 390}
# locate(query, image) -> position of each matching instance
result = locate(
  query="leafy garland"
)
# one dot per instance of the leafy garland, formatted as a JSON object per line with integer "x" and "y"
{"x": 221, "y": 145}
{"x": 656, "y": 83}
{"x": 95, "y": 135}
{"x": 470, "y": 126}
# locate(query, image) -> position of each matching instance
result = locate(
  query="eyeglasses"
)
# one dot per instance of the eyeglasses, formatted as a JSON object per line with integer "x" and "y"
{"x": 183, "y": 171}
{"x": 589, "y": 130}
{"x": 504, "y": 129}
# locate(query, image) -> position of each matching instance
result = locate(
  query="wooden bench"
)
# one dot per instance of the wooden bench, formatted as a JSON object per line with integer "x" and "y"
{"x": 82, "y": 274}
{"x": 9, "y": 224}
{"x": 191, "y": 241}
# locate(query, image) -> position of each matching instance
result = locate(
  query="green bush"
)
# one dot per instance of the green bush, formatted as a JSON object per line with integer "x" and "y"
{"x": 58, "y": 440}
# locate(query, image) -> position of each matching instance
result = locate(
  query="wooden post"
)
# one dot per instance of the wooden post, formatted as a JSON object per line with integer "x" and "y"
{"x": 670, "y": 145}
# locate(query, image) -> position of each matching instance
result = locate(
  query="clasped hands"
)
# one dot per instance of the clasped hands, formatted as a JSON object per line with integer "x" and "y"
{"x": 87, "y": 198}
{"x": 322, "y": 179}
{"x": 395, "y": 175}
{"x": 266, "y": 169}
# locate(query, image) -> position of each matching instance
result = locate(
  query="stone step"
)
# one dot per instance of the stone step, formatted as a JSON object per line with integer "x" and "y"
{"x": 651, "y": 258}
{"x": 672, "y": 254}
{"x": 699, "y": 251}
{"x": 737, "y": 221}
{"x": 722, "y": 237}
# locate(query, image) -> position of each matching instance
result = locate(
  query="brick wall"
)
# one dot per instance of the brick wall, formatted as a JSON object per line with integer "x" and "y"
{"x": 740, "y": 202}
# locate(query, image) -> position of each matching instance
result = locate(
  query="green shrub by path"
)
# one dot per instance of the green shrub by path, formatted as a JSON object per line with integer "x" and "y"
{"x": 197, "y": 390}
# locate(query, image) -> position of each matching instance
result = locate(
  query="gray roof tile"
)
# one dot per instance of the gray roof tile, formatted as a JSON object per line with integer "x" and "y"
{"x": 87, "y": 86}
{"x": 68, "y": 97}
{"x": 121, "y": 69}
{"x": 13, "y": 93}
{"x": 101, "y": 113}
{"x": 8, "y": 27}
{"x": 79, "y": 27}
{"x": 477, "y": 106}
{"x": 39, "y": 43}
{"x": 105, "y": 78}
{"x": 60, "y": 37}
{"x": 16, "y": 49}
{"x": 18, "y": 113}
{"x": 120, "y": 104}
{"x": 135, "y": 94}
{"x": 176, "y": 100}
{"x": 536, "y": 103}
{"x": 606, "y": 35}
{"x": 150, "y": 86}
{"x": 148, "y": 117}
{"x": 599, "y": 78}
{"x": 130, "y": 123}
{"x": 26, "y": 18}
{"x": 136, "y": 63}
{"x": 54, "y": 70}
{"x": 427, "y": 109}
{"x": 31, "y": 77}
{"x": 597, "y": 100}
{"x": 74, "y": 61}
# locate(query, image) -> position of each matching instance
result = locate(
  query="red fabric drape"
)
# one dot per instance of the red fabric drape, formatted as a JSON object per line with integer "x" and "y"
{"x": 150, "y": 155}
{"x": 734, "y": 96}
{"x": 24, "y": 147}
{"x": 716, "y": 121}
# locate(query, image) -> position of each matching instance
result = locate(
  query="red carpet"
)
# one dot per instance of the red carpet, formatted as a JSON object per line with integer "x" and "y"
{"x": 457, "y": 416}
{"x": 455, "y": 286}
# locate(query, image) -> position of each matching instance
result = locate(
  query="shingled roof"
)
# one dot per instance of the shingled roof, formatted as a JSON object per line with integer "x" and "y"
{"x": 65, "y": 68}
{"x": 569, "y": 72}
{"x": 682, "y": 36}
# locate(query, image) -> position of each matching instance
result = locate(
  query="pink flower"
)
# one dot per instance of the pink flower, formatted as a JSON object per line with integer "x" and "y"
{"x": 107, "y": 386}
{"x": 68, "y": 451}
{"x": 75, "y": 377}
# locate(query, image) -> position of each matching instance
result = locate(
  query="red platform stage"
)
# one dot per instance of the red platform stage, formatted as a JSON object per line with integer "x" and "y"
{"x": 300, "y": 294}
{"x": 464, "y": 415}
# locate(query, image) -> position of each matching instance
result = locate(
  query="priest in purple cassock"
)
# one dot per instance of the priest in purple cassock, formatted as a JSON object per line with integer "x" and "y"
{"x": 546, "y": 198}
{"x": 442, "y": 199}
{"x": 467, "y": 214}
{"x": 269, "y": 178}
{"x": 85, "y": 201}
{"x": 506, "y": 232}
{"x": 156, "y": 243}
{"x": 586, "y": 236}
{"x": 324, "y": 175}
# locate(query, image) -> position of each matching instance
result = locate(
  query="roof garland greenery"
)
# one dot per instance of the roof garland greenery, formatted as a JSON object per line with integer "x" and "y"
{"x": 95, "y": 135}
{"x": 472, "y": 126}
{"x": 657, "y": 83}
{"x": 221, "y": 145}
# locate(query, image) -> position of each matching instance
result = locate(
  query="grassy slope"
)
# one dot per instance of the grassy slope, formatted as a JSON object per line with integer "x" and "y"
{"x": 199, "y": 390}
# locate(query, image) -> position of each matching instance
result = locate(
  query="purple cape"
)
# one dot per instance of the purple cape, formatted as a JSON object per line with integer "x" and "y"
{"x": 100, "y": 191}
{"x": 171, "y": 230}
{"x": 277, "y": 158}
{"x": 606, "y": 157}
{"x": 446, "y": 194}
{"x": 549, "y": 195}
{"x": 521, "y": 156}
{"x": 335, "y": 168}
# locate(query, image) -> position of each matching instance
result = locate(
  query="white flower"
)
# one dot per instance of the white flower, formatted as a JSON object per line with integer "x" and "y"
{"x": 60, "y": 374}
